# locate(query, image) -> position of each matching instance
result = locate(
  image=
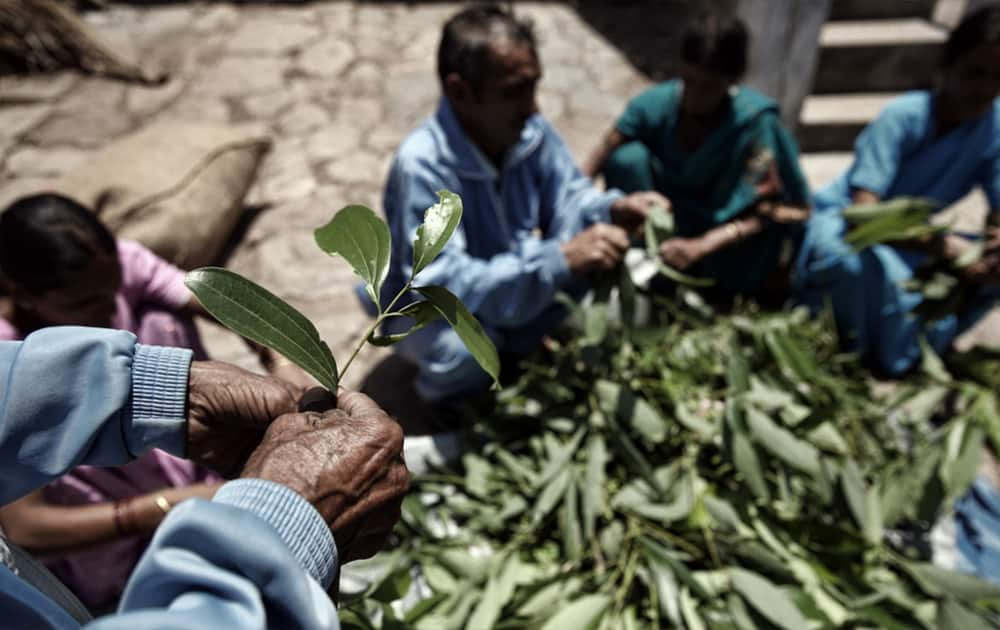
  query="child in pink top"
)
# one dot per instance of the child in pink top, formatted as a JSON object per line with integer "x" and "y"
{"x": 61, "y": 266}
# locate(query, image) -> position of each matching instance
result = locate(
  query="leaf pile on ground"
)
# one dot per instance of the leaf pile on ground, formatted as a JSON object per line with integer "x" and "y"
{"x": 710, "y": 471}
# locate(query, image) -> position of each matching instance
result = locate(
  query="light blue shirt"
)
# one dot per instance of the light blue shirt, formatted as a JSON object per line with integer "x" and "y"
{"x": 257, "y": 556}
{"x": 505, "y": 261}
{"x": 901, "y": 153}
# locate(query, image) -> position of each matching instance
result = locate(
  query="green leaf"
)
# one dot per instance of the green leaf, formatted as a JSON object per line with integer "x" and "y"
{"x": 593, "y": 490}
{"x": 767, "y": 599}
{"x": 863, "y": 501}
{"x": 667, "y": 590}
{"x": 439, "y": 224}
{"x": 748, "y": 464}
{"x": 439, "y": 578}
{"x": 422, "y": 313}
{"x": 394, "y": 586}
{"x": 620, "y": 401}
{"x": 689, "y": 610}
{"x": 580, "y": 614}
{"x": 954, "y": 616}
{"x": 660, "y": 554}
{"x": 738, "y": 611}
{"x": 467, "y": 327}
{"x": 362, "y": 239}
{"x": 553, "y": 492}
{"x": 939, "y": 582}
{"x": 499, "y": 589}
{"x": 559, "y": 455}
{"x": 826, "y": 437}
{"x": 797, "y": 453}
{"x": 898, "y": 219}
{"x": 961, "y": 463}
{"x": 252, "y": 311}
{"x": 550, "y": 596}
{"x": 595, "y": 316}
{"x": 423, "y": 608}
{"x": 569, "y": 521}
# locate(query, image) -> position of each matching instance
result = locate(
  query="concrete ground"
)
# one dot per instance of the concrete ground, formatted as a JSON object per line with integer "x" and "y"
{"x": 338, "y": 85}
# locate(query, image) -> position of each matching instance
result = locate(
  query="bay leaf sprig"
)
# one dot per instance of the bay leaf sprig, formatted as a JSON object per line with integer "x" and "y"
{"x": 361, "y": 238}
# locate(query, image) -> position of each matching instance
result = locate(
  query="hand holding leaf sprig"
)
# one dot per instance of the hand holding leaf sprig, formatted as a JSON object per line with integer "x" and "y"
{"x": 363, "y": 240}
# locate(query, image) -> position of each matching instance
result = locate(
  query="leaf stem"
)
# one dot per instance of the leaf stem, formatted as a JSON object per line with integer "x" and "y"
{"x": 382, "y": 315}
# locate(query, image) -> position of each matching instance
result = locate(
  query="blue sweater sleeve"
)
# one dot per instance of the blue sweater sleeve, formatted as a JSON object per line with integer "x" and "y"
{"x": 257, "y": 556}
{"x": 234, "y": 562}
{"x": 76, "y": 396}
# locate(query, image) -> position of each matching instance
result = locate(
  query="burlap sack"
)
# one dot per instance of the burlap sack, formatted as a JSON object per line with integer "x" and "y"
{"x": 176, "y": 187}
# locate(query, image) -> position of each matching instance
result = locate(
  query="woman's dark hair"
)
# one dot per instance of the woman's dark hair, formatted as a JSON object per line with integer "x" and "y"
{"x": 718, "y": 43}
{"x": 466, "y": 38}
{"x": 979, "y": 28}
{"x": 46, "y": 238}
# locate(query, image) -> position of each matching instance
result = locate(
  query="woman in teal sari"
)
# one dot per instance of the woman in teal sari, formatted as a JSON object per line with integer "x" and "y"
{"x": 720, "y": 154}
{"x": 938, "y": 145}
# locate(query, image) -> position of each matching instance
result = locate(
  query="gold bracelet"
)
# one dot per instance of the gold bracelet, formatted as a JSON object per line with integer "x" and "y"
{"x": 733, "y": 232}
{"x": 162, "y": 503}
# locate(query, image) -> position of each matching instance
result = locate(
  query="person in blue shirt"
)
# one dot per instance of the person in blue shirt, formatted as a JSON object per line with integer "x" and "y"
{"x": 314, "y": 488}
{"x": 533, "y": 224}
{"x": 937, "y": 144}
{"x": 719, "y": 152}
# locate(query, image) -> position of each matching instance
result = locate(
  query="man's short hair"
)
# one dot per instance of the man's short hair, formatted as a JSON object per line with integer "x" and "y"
{"x": 466, "y": 39}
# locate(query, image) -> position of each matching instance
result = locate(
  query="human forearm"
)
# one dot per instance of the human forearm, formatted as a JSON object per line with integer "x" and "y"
{"x": 732, "y": 232}
{"x": 611, "y": 141}
{"x": 42, "y": 527}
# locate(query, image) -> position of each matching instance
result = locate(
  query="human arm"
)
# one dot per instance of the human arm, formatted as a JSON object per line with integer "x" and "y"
{"x": 41, "y": 527}
{"x": 92, "y": 396}
{"x": 69, "y": 399}
{"x": 771, "y": 190}
{"x": 319, "y": 487}
{"x": 683, "y": 252}
{"x": 611, "y": 141}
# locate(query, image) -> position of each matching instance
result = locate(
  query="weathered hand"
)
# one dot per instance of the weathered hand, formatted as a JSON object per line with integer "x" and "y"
{"x": 598, "y": 248}
{"x": 229, "y": 409}
{"x": 347, "y": 462}
{"x": 681, "y": 253}
{"x": 631, "y": 211}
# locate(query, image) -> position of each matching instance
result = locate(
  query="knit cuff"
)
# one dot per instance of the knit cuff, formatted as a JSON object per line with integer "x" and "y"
{"x": 298, "y": 524}
{"x": 159, "y": 397}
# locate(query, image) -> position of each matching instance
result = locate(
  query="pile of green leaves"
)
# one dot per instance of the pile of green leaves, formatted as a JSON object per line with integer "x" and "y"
{"x": 705, "y": 472}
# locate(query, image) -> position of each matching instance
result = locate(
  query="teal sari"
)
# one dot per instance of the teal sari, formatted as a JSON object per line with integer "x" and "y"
{"x": 750, "y": 157}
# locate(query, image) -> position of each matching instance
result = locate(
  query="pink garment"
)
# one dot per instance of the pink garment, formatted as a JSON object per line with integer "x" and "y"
{"x": 152, "y": 292}
{"x": 149, "y": 285}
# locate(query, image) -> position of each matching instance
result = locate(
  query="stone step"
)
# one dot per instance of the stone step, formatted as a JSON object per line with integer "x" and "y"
{"x": 881, "y": 9}
{"x": 822, "y": 168}
{"x": 877, "y": 56}
{"x": 831, "y": 122}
